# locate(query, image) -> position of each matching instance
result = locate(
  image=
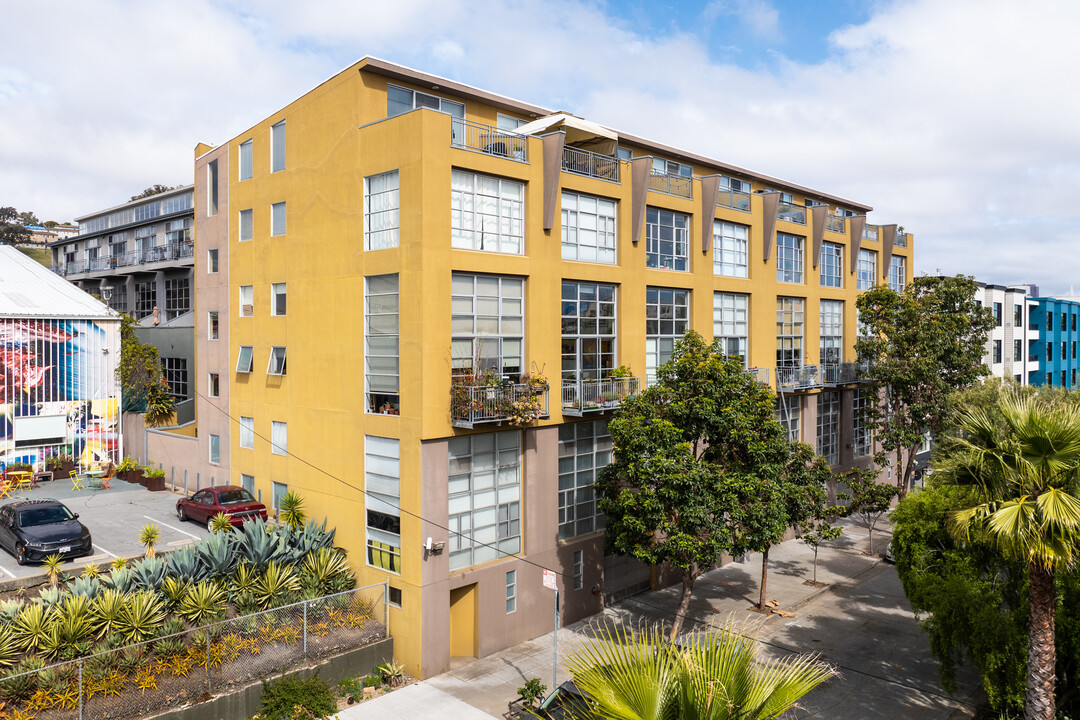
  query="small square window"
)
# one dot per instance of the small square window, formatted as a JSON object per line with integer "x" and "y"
{"x": 211, "y": 261}
{"x": 244, "y": 359}
{"x": 394, "y": 596}
{"x": 277, "y": 299}
{"x": 277, "y": 219}
{"x": 276, "y": 366}
{"x": 214, "y": 385}
{"x": 247, "y": 225}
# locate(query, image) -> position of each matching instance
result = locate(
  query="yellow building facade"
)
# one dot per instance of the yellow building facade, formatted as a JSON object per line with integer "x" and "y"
{"x": 387, "y": 265}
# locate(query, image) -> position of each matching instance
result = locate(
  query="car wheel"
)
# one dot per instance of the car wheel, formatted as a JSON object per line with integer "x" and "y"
{"x": 180, "y": 513}
{"x": 20, "y": 554}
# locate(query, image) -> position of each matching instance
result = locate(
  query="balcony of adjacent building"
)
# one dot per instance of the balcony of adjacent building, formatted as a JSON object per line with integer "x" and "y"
{"x": 485, "y": 401}
{"x": 144, "y": 260}
{"x": 488, "y": 140}
{"x": 587, "y": 148}
{"x": 586, "y": 396}
{"x": 791, "y": 378}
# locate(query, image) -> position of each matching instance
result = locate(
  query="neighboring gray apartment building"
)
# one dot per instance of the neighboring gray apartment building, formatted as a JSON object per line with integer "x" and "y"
{"x": 139, "y": 258}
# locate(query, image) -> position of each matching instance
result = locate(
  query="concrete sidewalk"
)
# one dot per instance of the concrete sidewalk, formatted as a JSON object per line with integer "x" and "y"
{"x": 488, "y": 684}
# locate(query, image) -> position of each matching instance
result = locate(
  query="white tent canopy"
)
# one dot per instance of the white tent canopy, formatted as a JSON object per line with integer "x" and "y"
{"x": 579, "y": 133}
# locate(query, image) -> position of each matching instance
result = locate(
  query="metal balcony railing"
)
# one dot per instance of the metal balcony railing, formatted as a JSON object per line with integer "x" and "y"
{"x": 760, "y": 374}
{"x": 733, "y": 199}
{"x": 791, "y": 213}
{"x": 588, "y": 396}
{"x": 835, "y": 223}
{"x": 588, "y": 163}
{"x": 518, "y": 404}
{"x": 870, "y": 232}
{"x": 901, "y": 239}
{"x": 843, "y": 373}
{"x": 161, "y": 253}
{"x": 489, "y": 140}
{"x": 670, "y": 184}
{"x": 799, "y": 377}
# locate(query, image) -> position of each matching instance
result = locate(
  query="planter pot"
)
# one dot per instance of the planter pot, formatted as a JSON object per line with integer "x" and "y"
{"x": 66, "y": 468}
{"x": 142, "y": 480}
{"x": 132, "y": 476}
{"x": 154, "y": 484}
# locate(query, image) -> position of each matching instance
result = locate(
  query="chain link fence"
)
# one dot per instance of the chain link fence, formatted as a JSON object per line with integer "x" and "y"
{"x": 192, "y": 666}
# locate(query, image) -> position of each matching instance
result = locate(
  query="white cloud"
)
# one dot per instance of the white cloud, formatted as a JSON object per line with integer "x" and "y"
{"x": 954, "y": 119}
{"x": 757, "y": 16}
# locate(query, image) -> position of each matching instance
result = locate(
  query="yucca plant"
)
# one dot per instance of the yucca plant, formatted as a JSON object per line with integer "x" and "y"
{"x": 291, "y": 510}
{"x": 8, "y": 647}
{"x": 323, "y": 567}
{"x": 172, "y": 626}
{"x": 203, "y": 603}
{"x": 20, "y": 682}
{"x": 91, "y": 571}
{"x": 185, "y": 564}
{"x": 142, "y": 615}
{"x": 149, "y": 573}
{"x": 149, "y": 537}
{"x": 220, "y": 523}
{"x": 173, "y": 590}
{"x": 278, "y": 585}
{"x": 118, "y": 564}
{"x": 242, "y": 580}
{"x": 31, "y": 627}
{"x": 105, "y": 611}
{"x": 53, "y": 566}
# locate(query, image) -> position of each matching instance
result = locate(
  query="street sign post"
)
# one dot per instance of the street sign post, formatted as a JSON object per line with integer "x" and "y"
{"x": 551, "y": 584}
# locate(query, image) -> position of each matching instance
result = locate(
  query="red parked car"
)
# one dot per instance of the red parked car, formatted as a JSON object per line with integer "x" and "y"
{"x": 236, "y": 502}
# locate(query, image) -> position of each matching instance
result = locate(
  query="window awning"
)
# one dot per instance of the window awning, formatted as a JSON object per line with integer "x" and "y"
{"x": 579, "y": 133}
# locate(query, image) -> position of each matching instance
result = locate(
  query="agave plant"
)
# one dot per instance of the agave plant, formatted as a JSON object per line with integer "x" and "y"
{"x": 149, "y": 573}
{"x": 174, "y": 590}
{"x": 88, "y": 587}
{"x": 186, "y": 564}
{"x": 323, "y": 568}
{"x": 220, "y": 523}
{"x": 242, "y": 580}
{"x": 8, "y": 647}
{"x": 260, "y": 545}
{"x": 50, "y": 597}
{"x": 68, "y": 629}
{"x": 203, "y": 603}
{"x": 149, "y": 537}
{"x": 142, "y": 615}
{"x": 172, "y": 626}
{"x": 120, "y": 579}
{"x": 9, "y": 609}
{"x": 277, "y": 585}
{"x": 31, "y": 627}
{"x": 118, "y": 564}
{"x": 218, "y": 554}
{"x": 105, "y": 611}
{"x": 311, "y": 537}
{"x": 21, "y": 682}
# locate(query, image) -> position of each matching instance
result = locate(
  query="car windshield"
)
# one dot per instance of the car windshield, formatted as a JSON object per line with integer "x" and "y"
{"x": 32, "y": 516}
{"x": 232, "y": 497}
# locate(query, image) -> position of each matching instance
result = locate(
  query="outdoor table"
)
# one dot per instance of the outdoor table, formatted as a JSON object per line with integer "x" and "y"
{"x": 23, "y": 478}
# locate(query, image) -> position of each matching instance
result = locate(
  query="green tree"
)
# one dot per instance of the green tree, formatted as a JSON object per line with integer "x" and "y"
{"x": 11, "y": 227}
{"x": 919, "y": 346}
{"x": 716, "y": 676}
{"x": 142, "y": 381}
{"x": 1025, "y": 483}
{"x": 28, "y": 218}
{"x": 692, "y": 453}
{"x": 153, "y": 190}
{"x": 866, "y": 498}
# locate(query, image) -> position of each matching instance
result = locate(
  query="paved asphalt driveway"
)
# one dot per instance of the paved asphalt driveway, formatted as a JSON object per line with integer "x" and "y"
{"x": 114, "y": 518}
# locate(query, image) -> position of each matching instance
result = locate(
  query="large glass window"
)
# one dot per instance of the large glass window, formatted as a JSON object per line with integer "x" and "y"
{"x": 828, "y": 426}
{"x": 832, "y": 264}
{"x": 401, "y": 100}
{"x": 667, "y": 237}
{"x": 381, "y": 211}
{"x": 279, "y": 438}
{"x": 177, "y": 297}
{"x": 145, "y": 299}
{"x": 484, "y": 497}
{"x": 731, "y": 318}
{"x": 898, "y": 277}
{"x": 789, "y": 258}
{"x": 382, "y": 490}
{"x": 488, "y": 324}
{"x": 381, "y": 358}
{"x": 584, "y": 448}
{"x": 862, "y": 435}
{"x": 588, "y": 228}
{"x": 730, "y": 249}
{"x": 667, "y": 318}
{"x": 866, "y": 270}
{"x": 832, "y": 332}
{"x": 789, "y": 331}
{"x": 487, "y": 213}
{"x": 176, "y": 376}
{"x": 788, "y": 414}
{"x": 588, "y": 330}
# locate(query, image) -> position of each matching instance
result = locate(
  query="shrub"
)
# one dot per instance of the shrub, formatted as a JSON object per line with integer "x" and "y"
{"x": 281, "y": 699}
{"x": 391, "y": 673}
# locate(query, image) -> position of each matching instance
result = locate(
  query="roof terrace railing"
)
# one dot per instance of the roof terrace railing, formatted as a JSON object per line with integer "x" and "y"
{"x": 584, "y": 162}
{"x": 489, "y": 140}
{"x": 791, "y": 213}
{"x": 670, "y": 184}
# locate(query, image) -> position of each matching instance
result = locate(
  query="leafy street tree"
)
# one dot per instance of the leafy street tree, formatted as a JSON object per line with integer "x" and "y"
{"x": 818, "y": 530}
{"x": 29, "y": 218}
{"x": 639, "y": 676}
{"x": 1024, "y": 480}
{"x": 11, "y": 227}
{"x": 153, "y": 190}
{"x": 867, "y": 499}
{"x": 141, "y": 378}
{"x": 696, "y": 455}
{"x": 918, "y": 346}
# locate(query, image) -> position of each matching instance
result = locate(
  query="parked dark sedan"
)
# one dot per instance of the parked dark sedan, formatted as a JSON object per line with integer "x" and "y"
{"x": 236, "y": 502}
{"x": 33, "y": 529}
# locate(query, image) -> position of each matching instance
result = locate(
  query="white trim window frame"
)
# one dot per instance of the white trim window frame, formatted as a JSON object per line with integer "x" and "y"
{"x": 832, "y": 265}
{"x": 245, "y": 359}
{"x": 589, "y": 327}
{"x": 667, "y": 318}
{"x": 828, "y": 426}
{"x": 382, "y": 211}
{"x": 278, "y": 219}
{"x": 790, "y": 330}
{"x": 898, "y": 275}
{"x": 382, "y": 491}
{"x": 245, "y": 160}
{"x": 789, "y": 258}
{"x": 487, "y": 213}
{"x": 487, "y": 324}
{"x": 831, "y": 331}
{"x": 589, "y": 228}
{"x": 279, "y": 438}
{"x": 731, "y": 324}
{"x": 276, "y": 364}
{"x": 382, "y": 361}
{"x": 277, "y": 147}
{"x": 866, "y": 270}
{"x": 247, "y": 432}
{"x": 667, "y": 239}
{"x": 731, "y": 247}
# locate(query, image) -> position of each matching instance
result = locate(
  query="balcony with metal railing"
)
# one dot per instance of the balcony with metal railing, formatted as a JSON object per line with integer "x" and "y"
{"x": 759, "y": 374}
{"x": 671, "y": 184}
{"x": 847, "y": 373}
{"x": 836, "y": 223}
{"x": 901, "y": 239}
{"x": 870, "y": 232}
{"x": 517, "y": 404}
{"x": 733, "y": 199}
{"x": 590, "y": 396}
{"x": 133, "y": 259}
{"x": 799, "y": 377}
{"x": 584, "y": 162}
{"x": 791, "y": 213}
{"x": 489, "y": 140}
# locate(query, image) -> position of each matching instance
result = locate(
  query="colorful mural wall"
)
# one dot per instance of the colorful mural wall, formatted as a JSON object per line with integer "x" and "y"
{"x": 59, "y": 394}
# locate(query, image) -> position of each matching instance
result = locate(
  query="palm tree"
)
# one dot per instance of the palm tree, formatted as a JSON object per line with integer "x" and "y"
{"x": 1023, "y": 467}
{"x": 640, "y": 675}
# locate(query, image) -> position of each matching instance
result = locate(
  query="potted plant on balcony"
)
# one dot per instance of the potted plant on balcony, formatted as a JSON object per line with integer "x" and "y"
{"x": 523, "y": 411}
{"x": 621, "y": 380}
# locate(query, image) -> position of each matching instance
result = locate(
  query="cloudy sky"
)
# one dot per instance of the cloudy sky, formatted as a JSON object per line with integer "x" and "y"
{"x": 954, "y": 118}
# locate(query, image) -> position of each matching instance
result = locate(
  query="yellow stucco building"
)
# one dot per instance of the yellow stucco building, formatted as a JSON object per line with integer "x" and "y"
{"x": 387, "y": 265}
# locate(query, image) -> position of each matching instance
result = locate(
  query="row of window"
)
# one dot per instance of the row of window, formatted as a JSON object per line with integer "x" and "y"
{"x": 1065, "y": 321}
{"x": 1018, "y": 350}
{"x": 789, "y": 412}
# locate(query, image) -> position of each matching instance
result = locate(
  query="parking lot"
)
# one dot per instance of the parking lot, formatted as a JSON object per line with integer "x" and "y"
{"x": 114, "y": 518}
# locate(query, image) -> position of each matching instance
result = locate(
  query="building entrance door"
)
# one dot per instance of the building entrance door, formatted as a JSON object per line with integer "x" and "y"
{"x": 463, "y": 611}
